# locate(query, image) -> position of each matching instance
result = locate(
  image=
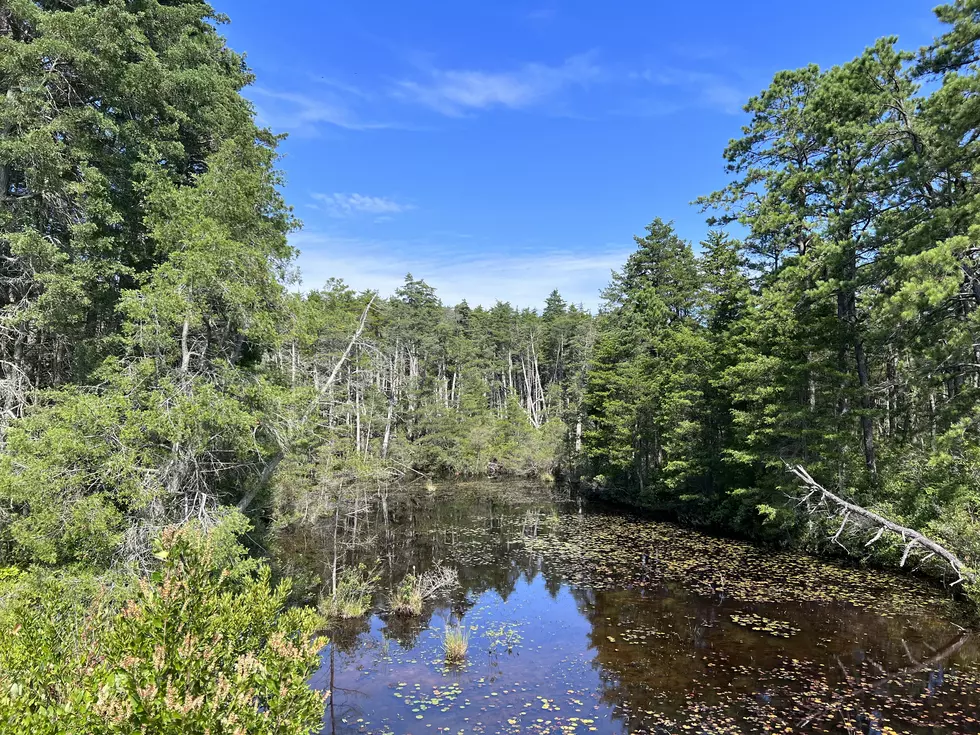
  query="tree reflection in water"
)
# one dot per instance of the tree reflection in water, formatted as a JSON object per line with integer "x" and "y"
{"x": 568, "y": 641}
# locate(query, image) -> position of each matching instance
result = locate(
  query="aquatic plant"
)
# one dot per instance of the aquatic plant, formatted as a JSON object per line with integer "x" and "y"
{"x": 352, "y": 596}
{"x": 762, "y": 624}
{"x": 406, "y": 600}
{"x": 415, "y": 590}
{"x": 455, "y": 644}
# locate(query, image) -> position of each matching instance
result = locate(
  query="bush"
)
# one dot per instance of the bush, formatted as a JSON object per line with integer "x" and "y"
{"x": 407, "y": 598}
{"x": 195, "y": 650}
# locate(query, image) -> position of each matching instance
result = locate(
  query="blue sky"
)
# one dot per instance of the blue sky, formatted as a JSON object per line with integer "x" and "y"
{"x": 502, "y": 149}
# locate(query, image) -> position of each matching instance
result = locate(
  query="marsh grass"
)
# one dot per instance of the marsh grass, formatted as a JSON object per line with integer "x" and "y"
{"x": 406, "y": 600}
{"x": 353, "y": 595}
{"x": 455, "y": 644}
{"x": 415, "y": 590}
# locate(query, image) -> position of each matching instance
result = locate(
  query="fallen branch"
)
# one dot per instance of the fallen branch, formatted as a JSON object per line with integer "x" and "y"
{"x": 350, "y": 346}
{"x": 910, "y": 536}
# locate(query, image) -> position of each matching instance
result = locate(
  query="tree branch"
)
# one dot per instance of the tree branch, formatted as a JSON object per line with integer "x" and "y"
{"x": 909, "y": 535}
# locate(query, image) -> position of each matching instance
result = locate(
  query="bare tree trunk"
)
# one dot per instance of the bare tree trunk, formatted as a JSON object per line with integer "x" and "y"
{"x": 867, "y": 424}
{"x": 336, "y": 530}
{"x": 185, "y": 359}
{"x": 5, "y": 172}
{"x": 387, "y": 435}
{"x": 357, "y": 419}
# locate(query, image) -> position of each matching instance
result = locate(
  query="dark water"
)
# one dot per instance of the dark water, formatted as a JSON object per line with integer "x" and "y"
{"x": 581, "y": 620}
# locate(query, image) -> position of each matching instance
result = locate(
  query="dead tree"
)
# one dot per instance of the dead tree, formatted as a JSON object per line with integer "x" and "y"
{"x": 819, "y": 498}
{"x": 287, "y": 435}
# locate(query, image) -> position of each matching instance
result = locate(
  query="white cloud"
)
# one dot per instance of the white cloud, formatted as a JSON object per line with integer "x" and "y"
{"x": 304, "y": 114}
{"x": 454, "y": 92}
{"x": 350, "y": 205}
{"x": 523, "y": 278}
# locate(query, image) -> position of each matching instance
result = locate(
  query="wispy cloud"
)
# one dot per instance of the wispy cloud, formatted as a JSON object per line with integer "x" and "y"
{"x": 305, "y": 114}
{"x": 350, "y": 205}
{"x": 522, "y": 277}
{"x": 327, "y": 102}
{"x": 698, "y": 88}
{"x": 455, "y": 92}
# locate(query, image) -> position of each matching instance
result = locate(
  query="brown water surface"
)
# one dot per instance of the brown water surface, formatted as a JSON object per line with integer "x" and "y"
{"x": 587, "y": 620}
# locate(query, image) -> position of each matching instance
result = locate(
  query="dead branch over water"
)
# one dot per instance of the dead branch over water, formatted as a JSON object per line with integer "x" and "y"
{"x": 820, "y": 499}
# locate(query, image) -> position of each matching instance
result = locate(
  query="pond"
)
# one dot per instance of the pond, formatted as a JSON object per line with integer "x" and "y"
{"x": 583, "y": 619}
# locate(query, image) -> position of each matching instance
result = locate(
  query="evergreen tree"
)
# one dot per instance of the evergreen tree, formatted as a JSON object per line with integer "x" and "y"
{"x": 646, "y": 383}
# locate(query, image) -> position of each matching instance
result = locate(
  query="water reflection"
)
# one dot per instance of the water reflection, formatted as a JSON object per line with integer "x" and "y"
{"x": 640, "y": 650}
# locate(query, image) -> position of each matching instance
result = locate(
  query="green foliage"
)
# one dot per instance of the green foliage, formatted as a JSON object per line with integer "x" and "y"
{"x": 430, "y": 389}
{"x": 196, "y": 649}
{"x": 645, "y": 388}
{"x": 406, "y": 599}
{"x": 144, "y": 242}
{"x": 103, "y": 107}
{"x": 155, "y": 371}
{"x": 840, "y": 334}
{"x": 79, "y": 470}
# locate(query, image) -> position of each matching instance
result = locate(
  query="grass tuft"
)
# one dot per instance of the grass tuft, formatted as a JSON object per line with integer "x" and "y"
{"x": 455, "y": 644}
{"x": 410, "y": 596}
{"x": 353, "y": 595}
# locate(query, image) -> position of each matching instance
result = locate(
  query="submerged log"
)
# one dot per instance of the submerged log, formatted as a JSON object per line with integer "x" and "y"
{"x": 853, "y": 513}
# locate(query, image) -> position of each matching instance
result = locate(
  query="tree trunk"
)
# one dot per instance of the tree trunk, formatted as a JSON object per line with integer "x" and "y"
{"x": 867, "y": 423}
{"x": 387, "y": 435}
{"x": 185, "y": 359}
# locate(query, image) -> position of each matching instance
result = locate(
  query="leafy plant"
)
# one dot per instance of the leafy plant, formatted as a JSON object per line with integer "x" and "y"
{"x": 194, "y": 650}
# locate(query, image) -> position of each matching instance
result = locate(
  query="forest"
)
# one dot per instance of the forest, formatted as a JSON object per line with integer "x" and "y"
{"x": 171, "y": 399}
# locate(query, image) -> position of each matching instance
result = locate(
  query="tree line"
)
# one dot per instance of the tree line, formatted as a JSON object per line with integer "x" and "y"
{"x": 158, "y": 365}
{"x": 828, "y": 320}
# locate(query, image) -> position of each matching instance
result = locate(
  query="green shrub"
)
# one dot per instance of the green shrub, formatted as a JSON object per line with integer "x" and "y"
{"x": 195, "y": 650}
{"x": 407, "y": 598}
